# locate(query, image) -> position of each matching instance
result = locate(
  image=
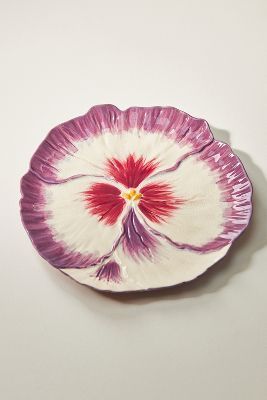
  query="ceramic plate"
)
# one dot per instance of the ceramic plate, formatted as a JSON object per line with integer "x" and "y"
{"x": 134, "y": 200}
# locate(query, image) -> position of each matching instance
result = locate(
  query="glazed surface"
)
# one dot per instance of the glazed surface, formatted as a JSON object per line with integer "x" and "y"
{"x": 135, "y": 199}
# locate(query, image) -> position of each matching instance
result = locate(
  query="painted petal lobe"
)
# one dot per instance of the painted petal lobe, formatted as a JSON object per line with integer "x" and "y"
{"x": 62, "y": 229}
{"x": 216, "y": 197}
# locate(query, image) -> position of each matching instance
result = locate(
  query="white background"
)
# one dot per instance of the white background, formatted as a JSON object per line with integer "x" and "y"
{"x": 202, "y": 340}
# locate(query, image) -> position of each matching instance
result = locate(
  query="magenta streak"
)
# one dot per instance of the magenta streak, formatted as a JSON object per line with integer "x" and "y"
{"x": 136, "y": 240}
{"x": 139, "y": 235}
{"x": 109, "y": 272}
{"x": 135, "y": 230}
{"x": 59, "y": 147}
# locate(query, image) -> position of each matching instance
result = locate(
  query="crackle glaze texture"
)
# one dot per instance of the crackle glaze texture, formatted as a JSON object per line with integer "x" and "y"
{"x": 134, "y": 200}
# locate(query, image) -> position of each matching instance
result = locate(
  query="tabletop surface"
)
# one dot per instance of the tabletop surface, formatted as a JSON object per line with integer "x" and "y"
{"x": 203, "y": 340}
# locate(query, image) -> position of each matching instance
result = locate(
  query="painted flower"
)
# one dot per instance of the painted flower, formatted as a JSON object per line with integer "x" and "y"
{"x": 135, "y": 199}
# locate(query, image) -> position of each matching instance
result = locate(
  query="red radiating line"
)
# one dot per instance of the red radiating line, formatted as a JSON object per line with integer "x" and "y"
{"x": 104, "y": 200}
{"x": 132, "y": 171}
{"x": 158, "y": 201}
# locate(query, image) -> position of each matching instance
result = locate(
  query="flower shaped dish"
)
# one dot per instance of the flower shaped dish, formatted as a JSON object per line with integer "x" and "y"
{"x": 134, "y": 200}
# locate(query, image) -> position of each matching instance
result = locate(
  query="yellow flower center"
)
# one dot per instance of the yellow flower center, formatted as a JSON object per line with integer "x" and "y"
{"x": 131, "y": 194}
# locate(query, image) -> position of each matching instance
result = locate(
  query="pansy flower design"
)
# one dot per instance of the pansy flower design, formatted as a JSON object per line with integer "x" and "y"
{"x": 136, "y": 199}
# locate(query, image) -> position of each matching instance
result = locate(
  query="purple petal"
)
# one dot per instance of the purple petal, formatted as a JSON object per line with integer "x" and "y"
{"x": 109, "y": 272}
{"x": 136, "y": 239}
